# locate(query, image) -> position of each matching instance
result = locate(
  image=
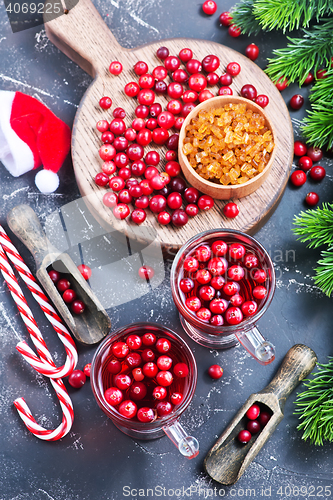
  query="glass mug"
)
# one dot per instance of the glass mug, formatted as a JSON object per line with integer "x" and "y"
{"x": 227, "y": 335}
{"x": 101, "y": 379}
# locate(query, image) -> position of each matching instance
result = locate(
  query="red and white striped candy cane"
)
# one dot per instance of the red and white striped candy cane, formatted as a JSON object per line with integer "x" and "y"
{"x": 44, "y": 363}
{"x": 67, "y": 419}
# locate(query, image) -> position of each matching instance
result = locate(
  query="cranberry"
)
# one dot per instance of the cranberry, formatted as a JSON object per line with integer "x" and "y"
{"x": 110, "y": 199}
{"x": 190, "y": 96}
{"x": 69, "y": 295}
{"x": 148, "y": 339}
{"x": 187, "y": 108}
{"x": 264, "y": 417}
{"x": 142, "y": 201}
{"x": 236, "y": 300}
{"x": 101, "y": 179}
{"x": 234, "y": 31}
{"x": 249, "y": 91}
{"x": 77, "y": 379}
{"x": 252, "y": 51}
{"x": 151, "y": 172}
{"x": 191, "y": 210}
{"x": 159, "y": 393}
{"x": 193, "y": 303}
{"x": 233, "y": 69}
{"x": 250, "y": 260}
{"x": 125, "y": 173}
{"x": 119, "y": 113}
{"x": 117, "y": 183}
{"x": 107, "y": 152}
{"x": 180, "y": 370}
{"x": 209, "y": 7}
{"x": 253, "y": 412}
{"x": 163, "y": 345}
{"x": 172, "y": 63}
{"x": 312, "y": 199}
{"x": 179, "y": 218}
{"x": 133, "y": 359}
{"x": 282, "y": 83}
{"x": 121, "y": 211}
{"x": 63, "y": 285}
{"x": 178, "y": 124}
{"x": 150, "y": 369}
{"x": 155, "y": 109}
{"x": 135, "y": 190}
{"x": 78, "y": 307}
{"x": 296, "y": 102}
{"x": 300, "y": 148}
{"x": 309, "y": 79}
{"x": 160, "y": 135}
{"x": 164, "y": 218}
{"x": 178, "y": 184}
{"x": 163, "y": 408}
{"x": 225, "y": 19}
{"x": 146, "y": 96}
{"x": 176, "y": 398}
{"x": 113, "y": 396}
{"x": 185, "y": 55}
{"x": 87, "y": 369}
{"x": 160, "y": 87}
{"x": 236, "y": 273}
{"x": 166, "y": 119}
{"x": 138, "y": 391}
{"x": 130, "y": 134}
{"x": 212, "y": 79}
{"x": 205, "y": 95}
{"x": 162, "y": 53}
{"x": 146, "y": 81}
{"x": 231, "y": 210}
{"x": 206, "y": 292}
{"x": 164, "y": 363}
{"x": 231, "y": 288}
{"x": 131, "y": 89}
{"x": 191, "y": 194}
{"x": 173, "y": 169}
{"x": 260, "y": 276}
{"x": 180, "y": 76}
{"x": 262, "y": 100}
{"x": 259, "y": 292}
{"x": 203, "y": 253}
{"x": 175, "y": 90}
{"x": 138, "y": 168}
{"x": 210, "y": 63}
{"x": 115, "y": 68}
{"x": 157, "y": 182}
{"x": 164, "y": 378}
{"x": 305, "y": 163}
{"x": 244, "y": 436}
{"x": 236, "y": 251}
{"x": 134, "y": 342}
{"x": 148, "y": 355}
{"x": 217, "y": 266}
{"x": 219, "y": 248}
{"x": 298, "y": 178}
{"x": 217, "y": 320}
{"x": 54, "y": 275}
{"x": 315, "y": 154}
{"x": 218, "y": 306}
{"x": 172, "y": 142}
{"x": 146, "y": 272}
{"x": 317, "y": 173}
{"x": 146, "y": 414}
{"x": 151, "y": 123}
{"x": 128, "y": 409}
{"x": 249, "y": 308}
{"x": 105, "y": 102}
{"x": 193, "y": 66}
{"x": 138, "y": 216}
{"x": 114, "y": 366}
{"x": 174, "y": 201}
{"x": 233, "y": 316}
{"x": 205, "y": 202}
{"x": 191, "y": 264}
{"x": 253, "y": 426}
{"x": 140, "y": 68}
{"x": 215, "y": 371}
{"x": 226, "y": 79}
{"x": 204, "y": 314}
{"x": 217, "y": 282}
{"x": 225, "y": 91}
{"x": 138, "y": 375}
{"x": 321, "y": 74}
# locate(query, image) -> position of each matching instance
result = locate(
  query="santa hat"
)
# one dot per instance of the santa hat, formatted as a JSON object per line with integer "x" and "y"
{"x": 31, "y": 136}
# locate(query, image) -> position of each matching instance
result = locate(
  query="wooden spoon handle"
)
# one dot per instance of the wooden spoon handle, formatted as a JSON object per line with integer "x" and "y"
{"x": 83, "y": 36}
{"x": 24, "y": 223}
{"x": 296, "y": 365}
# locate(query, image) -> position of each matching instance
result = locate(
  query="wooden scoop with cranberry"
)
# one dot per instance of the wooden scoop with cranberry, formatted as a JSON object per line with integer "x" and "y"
{"x": 84, "y": 37}
{"x": 235, "y": 449}
{"x": 93, "y": 324}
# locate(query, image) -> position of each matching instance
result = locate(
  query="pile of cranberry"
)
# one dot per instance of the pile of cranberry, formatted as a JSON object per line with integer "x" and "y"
{"x": 144, "y": 377}
{"x": 223, "y": 283}
{"x": 308, "y": 156}
{"x": 64, "y": 287}
{"x": 136, "y": 174}
{"x": 257, "y": 419}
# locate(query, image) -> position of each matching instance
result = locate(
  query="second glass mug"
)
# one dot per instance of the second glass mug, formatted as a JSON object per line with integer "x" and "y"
{"x": 225, "y": 336}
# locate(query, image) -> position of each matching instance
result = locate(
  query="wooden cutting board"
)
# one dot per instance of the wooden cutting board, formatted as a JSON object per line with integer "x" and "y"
{"x": 84, "y": 37}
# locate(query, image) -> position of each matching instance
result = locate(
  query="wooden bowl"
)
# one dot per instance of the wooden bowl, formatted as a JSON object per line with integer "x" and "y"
{"x": 219, "y": 191}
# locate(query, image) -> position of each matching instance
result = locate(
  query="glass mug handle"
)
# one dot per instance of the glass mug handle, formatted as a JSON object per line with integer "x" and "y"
{"x": 187, "y": 445}
{"x": 262, "y": 350}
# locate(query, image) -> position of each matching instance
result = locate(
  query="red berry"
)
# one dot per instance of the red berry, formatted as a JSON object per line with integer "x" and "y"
{"x": 193, "y": 303}
{"x": 69, "y": 295}
{"x": 185, "y": 55}
{"x": 160, "y": 136}
{"x": 172, "y": 63}
{"x": 317, "y": 173}
{"x": 206, "y": 292}
{"x": 133, "y": 359}
{"x": 203, "y": 253}
{"x": 174, "y": 106}
{"x": 210, "y": 63}
{"x": 298, "y": 178}
{"x": 146, "y": 96}
{"x": 300, "y": 148}
{"x": 105, "y": 102}
{"x": 209, "y": 7}
{"x": 264, "y": 417}
{"x": 138, "y": 216}
{"x": 180, "y": 370}
{"x": 119, "y": 113}
{"x": 259, "y": 292}
{"x": 117, "y": 126}
{"x": 110, "y": 199}
{"x": 146, "y": 272}
{"x": 113, "y": 396}
{"x": 162, "y": 53}
{"x": 166, "y": 119}
{"x": 107, "y": 152}
{"x": 174, "y": 201}
{"x": 234, "y": 31}
{"x": 101, "y": 179}
{"x": 159, "y": 392}
{"x": 244, "y": 436}
{"x": 321, "y": 74}
{"x": 215, "y": 371}
{"x": 236, "y": 300}
{"x": 87, "y": 369}
{"x": 236, "y": 273}
{"x": 138, "y": 391}
{"x": 225, "y": 19}
{"x": 218, "y": 306}
{"x": 191, "y": 264}
{"x": 137, "y": 374}
{"x": 312, "y": 199}
{"x": 122, "y": 381}
{"x": 233, "y": 69}
{"x": 205, "y": 202}
{"x": 163, "y": 408}
{"x": 54, "y": 275}
{"x": 204, "y": 314}
{"x": 63, "y": 285}
{"x": 249, "y": 91}
{"x": 146, "y": 82}
{"x": 217, "y": 266}
{"x": 191, "y": 210}
{"x": 262, "y": 100}
{"x": 217, "y": 282}
{"x": 157, "y": 203}
{"x": 219, "y": 248}
{"x": 253, "y": 426}
{"x": 179, "y": 218}
{"x": 226, "y": 79}
{"x": 282, "y": 83}
{"x": 205, "y": 94}
{"x": 164, "y": 378}
{"x": 212, "y": 79}
{"x": 176, "y": 398}
{"x": 115, "y": 68}
{"x": 140, "y": 68}
{"x": 193, "y": 66}
{"x": 163, "y": 345}
{"x": 121, "y": 211}
{"x": 117, "y": 183}
{"x": 128, "y": 409}
{"x": 252, "y": 51}
{"x": 130, "y": 134}
{"x": 233, "y": 316}
{"x": 309, "y": 79}
{"x": 203, "y": 276}
{"x": 305, "y": 163}
{"x": 250, "y": 261}
{"x": 236, "y": 251}
{"x": 249, "y": 308}
{"x": 164, "y": 218}
{"x": 146, "y": 414}
{"x": 217, "y": 320}
{"x": 114, "y": 366}
{"x": 78, "y": 307}
{"x": 260, "y": 276}
{"x": 296, "y": 102}
{"x": 231, "y": 210}
{"x": 77, "y": 379}
{"x": 175, "y": 90}
{"x": 180, "y": 76}
{"x": 225, "y": 91}
{"x": 148, "y": 339}
{"x": 253, "y": 412}
{"x": 315, "y": 154}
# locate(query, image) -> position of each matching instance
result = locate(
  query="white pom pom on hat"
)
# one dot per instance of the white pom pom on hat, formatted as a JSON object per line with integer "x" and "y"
{"x": 32, "y": 136}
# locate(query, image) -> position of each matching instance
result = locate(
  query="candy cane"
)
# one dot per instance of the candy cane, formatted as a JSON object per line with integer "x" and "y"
{"x": 67, "y": 419}
{"x": 46, "y": 365}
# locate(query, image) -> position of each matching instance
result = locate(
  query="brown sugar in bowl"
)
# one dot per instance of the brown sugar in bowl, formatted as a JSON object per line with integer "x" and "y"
{"x": 217, "y": 190}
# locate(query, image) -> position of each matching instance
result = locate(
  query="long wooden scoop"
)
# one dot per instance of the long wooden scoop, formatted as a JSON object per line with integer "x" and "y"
{"x": 93, "y": 324}
{"x": 228, "y": 458}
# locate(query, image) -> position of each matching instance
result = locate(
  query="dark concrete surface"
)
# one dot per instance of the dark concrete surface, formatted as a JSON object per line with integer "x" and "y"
{"x": 95, "y": 461}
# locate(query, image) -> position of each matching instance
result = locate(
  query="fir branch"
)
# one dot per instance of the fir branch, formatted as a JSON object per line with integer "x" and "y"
{"x": 322, "y": 90}
{"x": 317, "y": 127}
{"x": 243, "y": 17}
{"x": 324, "y": 273}
{"x": 289, "y": 14}
{"x": 315, "y": 405}
{"x": 303, "y": 55}
{"x": 315, "y": 226}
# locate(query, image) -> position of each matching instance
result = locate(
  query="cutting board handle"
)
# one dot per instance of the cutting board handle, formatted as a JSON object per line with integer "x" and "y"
{"x": 296, "y": 365}
{"x": 83, "y": 36}
{"x": 24, "y": 223}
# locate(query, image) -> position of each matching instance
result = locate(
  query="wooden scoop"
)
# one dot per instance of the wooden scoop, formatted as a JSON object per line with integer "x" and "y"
{"x": 228, "y": 458}
{"x": 84, "y": 37}
{"x": 93, "y": 324}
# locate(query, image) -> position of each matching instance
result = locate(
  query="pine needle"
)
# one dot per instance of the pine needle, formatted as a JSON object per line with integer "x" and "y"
{"x": 243, "y": 17}
{"x": 303, "y": 55}
{"x": 324, "y": 273}
{"x": 315, "y": 226}
{"x": 317, "y": 127}
{"x": 315, "y": 405}
{"x": 287, "y": 15}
